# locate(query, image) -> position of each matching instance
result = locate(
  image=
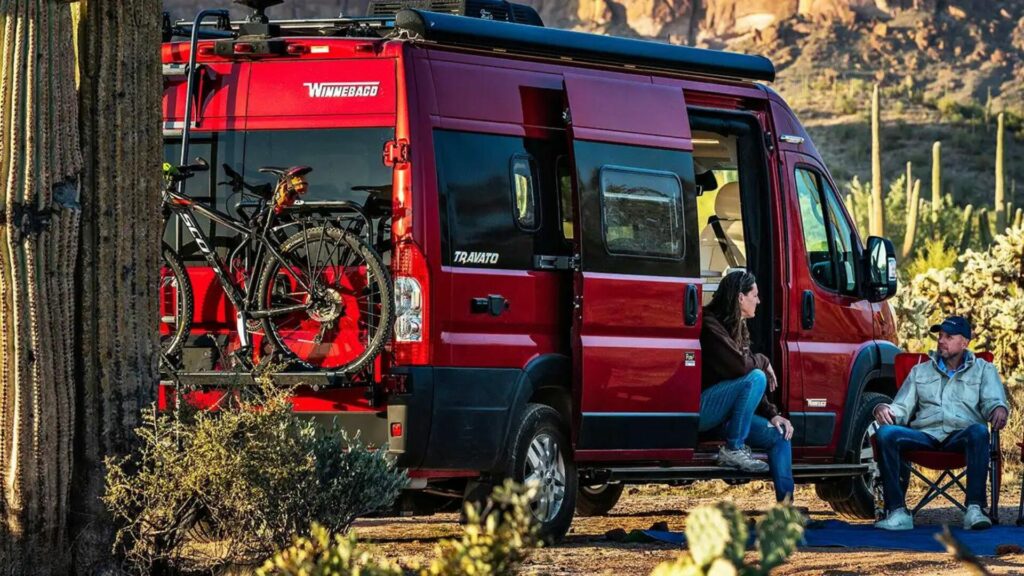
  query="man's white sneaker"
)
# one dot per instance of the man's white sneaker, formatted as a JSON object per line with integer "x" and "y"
{"x": 975, "y": 519}
{"x": 898, "y": 519}
{"x": 740, "y": 459}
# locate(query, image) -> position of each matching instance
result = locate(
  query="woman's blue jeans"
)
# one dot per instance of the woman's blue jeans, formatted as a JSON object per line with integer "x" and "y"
{"x": 729, "y": 407}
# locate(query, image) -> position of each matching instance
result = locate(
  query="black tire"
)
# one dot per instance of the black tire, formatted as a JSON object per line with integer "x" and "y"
{"x": 856, "y": 498}
{"x": 541, "y": 425}
{"x": 174, "y": 276}
{"x": 378, "y": 291}
{"x": 598, "y": 500}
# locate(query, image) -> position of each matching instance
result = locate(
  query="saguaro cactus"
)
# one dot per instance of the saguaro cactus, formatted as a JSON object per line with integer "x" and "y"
{"x": 877, "y": 223}
{"x": 913, "y": 204}
{"x": 967, "y": 228}
{"x": 936, "y": 182}
{"x": 71, "y": 383}
{"x": 40, "y": 165}
{"x": 1000, "y": 178}
{"x": 120, "y": 254}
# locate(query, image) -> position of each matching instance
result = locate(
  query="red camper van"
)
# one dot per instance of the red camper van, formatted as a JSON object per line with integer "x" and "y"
{"x": 559, "y": 205}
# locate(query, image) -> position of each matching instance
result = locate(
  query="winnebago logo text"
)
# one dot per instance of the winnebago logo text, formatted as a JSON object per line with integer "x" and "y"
{"x": 342, "y": 89}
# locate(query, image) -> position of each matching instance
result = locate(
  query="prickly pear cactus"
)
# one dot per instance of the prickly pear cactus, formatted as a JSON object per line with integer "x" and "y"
{"x": 716, "y": 531}
{"x": 778, "y": 534}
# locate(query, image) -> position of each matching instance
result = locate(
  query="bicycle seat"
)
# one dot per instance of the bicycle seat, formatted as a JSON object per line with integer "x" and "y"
{"x": 286, "y": 172}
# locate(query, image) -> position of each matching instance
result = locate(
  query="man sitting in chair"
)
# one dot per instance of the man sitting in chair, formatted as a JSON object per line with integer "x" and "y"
{"x": 945, "y": 405}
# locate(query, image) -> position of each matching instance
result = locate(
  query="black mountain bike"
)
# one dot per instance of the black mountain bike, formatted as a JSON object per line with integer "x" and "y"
{"x": 301, "y": 274}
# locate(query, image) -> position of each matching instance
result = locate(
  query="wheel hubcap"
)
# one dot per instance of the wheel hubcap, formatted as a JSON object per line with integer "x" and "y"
{"x": 545, "y": 469}
{"x": 867, "y": 456}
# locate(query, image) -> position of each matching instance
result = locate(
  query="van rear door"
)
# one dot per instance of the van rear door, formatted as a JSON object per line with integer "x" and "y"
{"x": 636, "y": 323}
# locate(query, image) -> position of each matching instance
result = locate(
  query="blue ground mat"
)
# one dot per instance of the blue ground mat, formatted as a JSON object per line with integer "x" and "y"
{"x": 921, "y": 539}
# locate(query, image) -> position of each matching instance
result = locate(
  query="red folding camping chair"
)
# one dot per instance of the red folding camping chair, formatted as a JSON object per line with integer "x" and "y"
{"x": 953, "y": 465}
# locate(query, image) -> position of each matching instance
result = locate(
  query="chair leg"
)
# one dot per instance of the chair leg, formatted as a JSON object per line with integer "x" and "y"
{"x": 996, "y": 484}
{"x": 1020, "y": 507}
{"x": 937, "y": 488}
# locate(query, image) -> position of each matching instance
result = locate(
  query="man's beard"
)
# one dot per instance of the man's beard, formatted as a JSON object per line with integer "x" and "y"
{"x": 947, "y": 355}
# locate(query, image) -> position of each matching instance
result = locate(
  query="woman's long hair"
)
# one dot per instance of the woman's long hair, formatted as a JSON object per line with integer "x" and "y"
{"x": 725, "y": 304}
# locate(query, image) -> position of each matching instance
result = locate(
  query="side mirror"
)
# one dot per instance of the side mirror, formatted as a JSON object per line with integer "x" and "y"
{"x": 881, "y": 269}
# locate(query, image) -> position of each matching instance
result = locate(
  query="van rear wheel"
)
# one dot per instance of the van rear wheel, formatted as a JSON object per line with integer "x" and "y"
{"x": 856, "y": 498}
{"x": 539, "y": 453}
{"x": 598, "y": 500}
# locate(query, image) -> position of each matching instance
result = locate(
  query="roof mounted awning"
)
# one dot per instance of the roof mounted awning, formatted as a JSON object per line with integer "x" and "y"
{"x": 551, "y": 42}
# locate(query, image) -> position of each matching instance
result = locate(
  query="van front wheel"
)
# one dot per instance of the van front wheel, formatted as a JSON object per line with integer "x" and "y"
{"x": 857, "y": 498}
{"x": 539, "y": 454}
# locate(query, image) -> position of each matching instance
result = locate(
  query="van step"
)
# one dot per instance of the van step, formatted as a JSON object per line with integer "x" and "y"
{"x": 222, "y": 379}
{"x": 644, "y": 474}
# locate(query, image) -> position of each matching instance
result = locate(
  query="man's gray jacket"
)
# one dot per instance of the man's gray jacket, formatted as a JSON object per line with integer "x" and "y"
{"x": 935, "y": 403}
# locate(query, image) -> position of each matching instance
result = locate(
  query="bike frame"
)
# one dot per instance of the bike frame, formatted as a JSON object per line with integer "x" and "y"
{"x": 242, "y": 298}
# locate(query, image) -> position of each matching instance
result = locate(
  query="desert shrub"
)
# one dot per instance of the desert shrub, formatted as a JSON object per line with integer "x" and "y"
{"x": 210, "y": 488}
{"x": 497, "y": 538}
{"x": 717, "y": 537}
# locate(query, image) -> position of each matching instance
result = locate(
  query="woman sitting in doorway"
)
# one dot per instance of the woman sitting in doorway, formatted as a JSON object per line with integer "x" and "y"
{"x": 733, "y": 383}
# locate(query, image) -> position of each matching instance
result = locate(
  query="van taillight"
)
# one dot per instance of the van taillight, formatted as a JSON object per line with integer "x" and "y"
{"x": 412, "y": 336}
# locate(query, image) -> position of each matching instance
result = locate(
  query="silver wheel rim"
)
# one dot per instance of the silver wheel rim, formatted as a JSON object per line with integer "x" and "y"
{"x": 545, "y": 469}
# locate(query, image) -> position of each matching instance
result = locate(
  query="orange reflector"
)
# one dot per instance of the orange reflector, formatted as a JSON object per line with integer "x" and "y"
{"x": 242, "y": 48}
{"x": 396, "y": 429}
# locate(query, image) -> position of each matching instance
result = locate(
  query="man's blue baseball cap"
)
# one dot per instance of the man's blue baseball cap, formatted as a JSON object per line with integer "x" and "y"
{"x": 954, "y": 325}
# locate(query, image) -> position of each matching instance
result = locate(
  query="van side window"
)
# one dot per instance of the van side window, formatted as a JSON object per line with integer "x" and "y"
{"x": 843, "y": 239}
{"x": 642, "y": 212}
{"x": 827, "y": 234}
{"x": 564, "y": 177}
{"x": 524, "y": 192}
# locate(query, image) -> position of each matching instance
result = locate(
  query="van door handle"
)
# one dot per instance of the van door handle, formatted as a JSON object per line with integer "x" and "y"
{"x": 808, "y": 310}
{"x": 692, "y": 307}
{"x": 495, "y": 305}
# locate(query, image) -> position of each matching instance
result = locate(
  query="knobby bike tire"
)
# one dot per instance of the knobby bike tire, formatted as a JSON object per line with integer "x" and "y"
{"x": 171, "y": 344}
{"x": 376, "y": 271}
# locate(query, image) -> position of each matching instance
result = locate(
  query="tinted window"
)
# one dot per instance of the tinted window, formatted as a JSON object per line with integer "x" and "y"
{"x": 642, "y": 212}
{"x": 524, "y": 192}
{"x": 656, "y": 186}
{"x": 341, "y": 159}
{"x": 827, "y": 234}
{"x": 217, "y": 149}
{"x": 842, "y": 234}
{"x": 493, "y": 192}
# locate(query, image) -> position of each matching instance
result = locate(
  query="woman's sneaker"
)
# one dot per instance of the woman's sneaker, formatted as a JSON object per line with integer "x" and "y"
{"x": 741, "y": 460}
{"x": 898, "y": 519}
{"x": 975, "y": 519}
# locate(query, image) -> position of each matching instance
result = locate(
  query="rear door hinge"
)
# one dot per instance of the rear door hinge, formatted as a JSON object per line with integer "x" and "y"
{"x": 396, "y": 152}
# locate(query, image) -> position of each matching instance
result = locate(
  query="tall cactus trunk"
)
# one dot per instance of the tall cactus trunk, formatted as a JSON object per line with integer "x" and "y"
{"x": 936, "y": 184}
{"x": 40, "y": 165}
{"x": 966, "y": 229}
{"x": 877, "y": 223}
{"x": 984, "y": 229}
{"x": 913, "y": 204}
{"x": 119, "y": 45}
{"x": 1000, "y": 182}
{"x": 1018, "y": 218}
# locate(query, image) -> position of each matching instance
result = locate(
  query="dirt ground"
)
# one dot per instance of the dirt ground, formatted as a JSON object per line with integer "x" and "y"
{"x": 586, "y": 550}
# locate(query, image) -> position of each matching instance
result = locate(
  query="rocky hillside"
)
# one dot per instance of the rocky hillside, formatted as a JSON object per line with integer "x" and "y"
{"x": 945, "y": 66}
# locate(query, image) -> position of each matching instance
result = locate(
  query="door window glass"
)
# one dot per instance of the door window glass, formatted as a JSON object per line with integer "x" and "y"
{"x": 642, "y": 212}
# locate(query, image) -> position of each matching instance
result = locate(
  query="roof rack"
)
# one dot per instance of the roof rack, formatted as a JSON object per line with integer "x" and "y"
{"x": 369, "y": 26}
{"x": 551, "y": 42}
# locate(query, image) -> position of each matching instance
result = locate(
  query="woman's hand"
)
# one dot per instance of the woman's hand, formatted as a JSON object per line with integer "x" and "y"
{"x": 785, "y": 427}
{"x": 773, "y": 380}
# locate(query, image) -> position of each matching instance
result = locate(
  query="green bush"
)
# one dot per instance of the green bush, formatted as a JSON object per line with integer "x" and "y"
{"x": 211, "y": 488}
{"x": 496, "y": 540}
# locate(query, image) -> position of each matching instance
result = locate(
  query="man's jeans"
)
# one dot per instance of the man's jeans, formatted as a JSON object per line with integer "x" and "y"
{"x": 728, "y": 407}
{"x": 892, "y": 441}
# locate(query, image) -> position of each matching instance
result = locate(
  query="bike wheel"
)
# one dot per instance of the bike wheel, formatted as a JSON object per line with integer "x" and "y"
{"x": 176, "y": 302}
{"x": 348, "y": 310}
